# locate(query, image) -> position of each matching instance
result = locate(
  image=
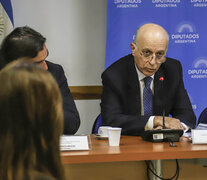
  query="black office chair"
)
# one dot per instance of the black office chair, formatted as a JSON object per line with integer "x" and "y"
{"x": 203, "y": 117}
{"x": 97, "y": 124}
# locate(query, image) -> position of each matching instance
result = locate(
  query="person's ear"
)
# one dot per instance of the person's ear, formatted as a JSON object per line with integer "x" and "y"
{"x": 133, "y": 48}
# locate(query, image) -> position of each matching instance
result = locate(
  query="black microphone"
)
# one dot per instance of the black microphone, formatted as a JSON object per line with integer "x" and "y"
{"x": 161, "y": 79}
{"x": 163, "y": 135}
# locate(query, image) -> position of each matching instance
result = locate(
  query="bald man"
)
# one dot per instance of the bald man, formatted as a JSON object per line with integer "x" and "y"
{"x": 124, "y": 101}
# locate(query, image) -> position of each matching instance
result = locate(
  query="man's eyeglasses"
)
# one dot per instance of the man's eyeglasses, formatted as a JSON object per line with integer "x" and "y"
{"x": 149, "y": 55}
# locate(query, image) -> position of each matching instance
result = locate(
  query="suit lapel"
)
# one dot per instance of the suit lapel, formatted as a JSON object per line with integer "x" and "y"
{"x": 133, "y": 89}
{"x": 134, "y": 100}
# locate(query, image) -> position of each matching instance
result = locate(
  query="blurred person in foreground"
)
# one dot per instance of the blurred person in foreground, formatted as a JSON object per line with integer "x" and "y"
{"x": 124, "y": 103}
{"x": 31, "y": 122}
{"x": 26, "y": 42}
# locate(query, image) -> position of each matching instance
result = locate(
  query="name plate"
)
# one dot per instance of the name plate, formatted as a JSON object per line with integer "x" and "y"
{"x": 199, "y": 136}
{"x": 72, "y": 143}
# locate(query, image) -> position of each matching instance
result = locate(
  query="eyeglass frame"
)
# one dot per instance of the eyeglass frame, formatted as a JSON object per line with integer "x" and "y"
{"x": 149, "y": 57}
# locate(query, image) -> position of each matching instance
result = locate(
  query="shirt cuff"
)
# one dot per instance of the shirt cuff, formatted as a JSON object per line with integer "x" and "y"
{"x": 150, "y": 123}
{"x": 185, "y": 126}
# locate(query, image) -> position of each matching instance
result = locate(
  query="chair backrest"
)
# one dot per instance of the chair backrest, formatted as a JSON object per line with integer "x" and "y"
{"x": 203, "y": 117}
{"x": 97, "y": 124}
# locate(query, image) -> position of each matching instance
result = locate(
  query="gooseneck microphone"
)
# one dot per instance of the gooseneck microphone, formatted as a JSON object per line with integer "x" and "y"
{"x": 162, "y": 135}
{"x": 161, "y": 79}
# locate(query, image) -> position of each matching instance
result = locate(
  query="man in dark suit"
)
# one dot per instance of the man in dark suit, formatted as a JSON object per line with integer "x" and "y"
{"x": 26, "y": 42}
{"x": 124, "y": 103}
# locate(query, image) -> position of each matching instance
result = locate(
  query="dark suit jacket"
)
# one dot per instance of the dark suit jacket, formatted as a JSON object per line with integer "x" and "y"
{"x": 121, "y": 105}
{"x": 71, "y": 115}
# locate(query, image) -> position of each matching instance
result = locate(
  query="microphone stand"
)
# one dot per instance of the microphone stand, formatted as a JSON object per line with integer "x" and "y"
{"x": 163, "y": 135}
{"x": 163, "y": 119}
{"x": 161, "y": 79}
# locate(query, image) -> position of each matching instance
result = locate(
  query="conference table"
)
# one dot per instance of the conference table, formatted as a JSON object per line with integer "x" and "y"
{"x": 127, "y": 161}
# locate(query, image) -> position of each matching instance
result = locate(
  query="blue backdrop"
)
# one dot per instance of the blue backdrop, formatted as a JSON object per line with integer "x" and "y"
{"x": 185, "y": 21}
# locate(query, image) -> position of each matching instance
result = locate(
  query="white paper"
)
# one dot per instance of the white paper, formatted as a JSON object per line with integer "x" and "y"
{"x": 202, "y": 126}
{"x": 73, "y": 143}
{"x": 199, "y": 136}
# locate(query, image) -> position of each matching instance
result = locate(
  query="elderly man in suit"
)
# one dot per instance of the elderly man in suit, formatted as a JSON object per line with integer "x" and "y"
{"x": 139, "y": 87}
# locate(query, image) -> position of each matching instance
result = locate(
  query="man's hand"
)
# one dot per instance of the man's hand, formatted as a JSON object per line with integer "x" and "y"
{"x": 170, "y": 123}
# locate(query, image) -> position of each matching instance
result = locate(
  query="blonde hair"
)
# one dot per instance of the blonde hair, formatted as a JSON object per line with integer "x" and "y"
{"x": 31, "y": 120}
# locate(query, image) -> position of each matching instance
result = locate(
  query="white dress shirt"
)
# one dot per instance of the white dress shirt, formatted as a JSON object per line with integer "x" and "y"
{"x": 141, "y": 76}
{"x": 150, "y": 123}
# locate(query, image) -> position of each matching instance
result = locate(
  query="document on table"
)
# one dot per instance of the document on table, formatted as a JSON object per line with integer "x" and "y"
{"x": 202, "y": 126}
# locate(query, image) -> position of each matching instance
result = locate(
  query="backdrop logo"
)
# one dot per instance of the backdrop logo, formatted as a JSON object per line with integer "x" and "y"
{"x": 165, "y": 3}
{"x": 199, "y": 70}
{"x": 199, "y": 3}
{"x": 186, "y": 33}
{"x": 127, "y": 3}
